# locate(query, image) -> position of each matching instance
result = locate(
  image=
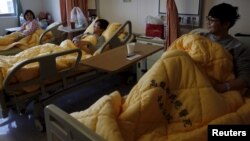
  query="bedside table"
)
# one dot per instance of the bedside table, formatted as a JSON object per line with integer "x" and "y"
{"x": 147, "y": 63}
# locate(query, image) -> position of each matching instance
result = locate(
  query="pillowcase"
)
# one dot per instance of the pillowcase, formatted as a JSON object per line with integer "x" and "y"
{"x": 111, "y": 29}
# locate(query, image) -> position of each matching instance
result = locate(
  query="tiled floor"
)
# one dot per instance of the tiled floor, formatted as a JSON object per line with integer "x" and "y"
{"x": 22, "y": 128}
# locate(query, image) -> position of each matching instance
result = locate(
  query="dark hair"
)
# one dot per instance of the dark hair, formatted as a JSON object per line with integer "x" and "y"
{"x": 225, "y": 13}
{"x": 102, "y": 23}
{"x": 29, "y": 11}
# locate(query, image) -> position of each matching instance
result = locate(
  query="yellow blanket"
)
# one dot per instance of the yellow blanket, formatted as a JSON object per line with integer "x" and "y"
{"x": 174, "y": 100}
{"x": 9, "y": 41}
{"x": 32, "y": 70}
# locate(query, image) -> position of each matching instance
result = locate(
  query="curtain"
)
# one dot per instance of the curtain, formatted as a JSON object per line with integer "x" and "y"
{"x": 19, "y": 10}
{"x": 67, "y": 5}
{"x": 172, "y": 22}
{"x": 63, "y": 11}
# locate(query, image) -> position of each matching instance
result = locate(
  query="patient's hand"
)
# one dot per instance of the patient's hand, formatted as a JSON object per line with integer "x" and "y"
{"x": 220, "y": 88}
{"x": 235, "y": 84}
{"x": 84, "y": 46}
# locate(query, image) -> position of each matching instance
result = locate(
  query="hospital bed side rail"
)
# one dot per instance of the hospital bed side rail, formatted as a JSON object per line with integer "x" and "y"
{"x": 112, "y": 42}
{"x": 45, "y": 62}
{"x": 58, "y": 36}
{"x": 60, "y": 126}
{"x": 47, "y": 70}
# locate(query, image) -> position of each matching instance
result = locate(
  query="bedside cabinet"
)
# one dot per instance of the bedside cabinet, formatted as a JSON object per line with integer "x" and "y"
{"x": 147, "y": 63}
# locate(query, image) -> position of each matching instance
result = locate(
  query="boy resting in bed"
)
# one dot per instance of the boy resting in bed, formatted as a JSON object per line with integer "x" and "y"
{"x": 99, "y": 27}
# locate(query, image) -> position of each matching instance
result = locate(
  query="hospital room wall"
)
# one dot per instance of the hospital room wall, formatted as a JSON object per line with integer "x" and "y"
{"x": 134, "y": 10}
{"x": 243, "y": 24}
{"x": 53, "y": 7}
{"x": 138, "y": 10}
{"x": 7, "y": 22}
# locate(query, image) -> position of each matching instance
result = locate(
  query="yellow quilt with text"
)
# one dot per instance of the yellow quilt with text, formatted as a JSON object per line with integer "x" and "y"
{"x": 174, "y": 100}
{"x": 9, "y": 41}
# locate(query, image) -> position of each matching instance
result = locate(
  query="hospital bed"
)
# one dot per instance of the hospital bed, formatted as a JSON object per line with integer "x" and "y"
{"x": 51, "y": 83}
{"x": 58, "y": 36}
{"x": 61, "y": 126}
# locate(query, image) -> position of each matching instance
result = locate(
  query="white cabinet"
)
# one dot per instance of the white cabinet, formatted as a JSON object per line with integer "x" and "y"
{"x": 147, "y": 63}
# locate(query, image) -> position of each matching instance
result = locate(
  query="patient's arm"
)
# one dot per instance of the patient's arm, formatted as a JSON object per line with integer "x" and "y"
{"x": 83, "y": 45}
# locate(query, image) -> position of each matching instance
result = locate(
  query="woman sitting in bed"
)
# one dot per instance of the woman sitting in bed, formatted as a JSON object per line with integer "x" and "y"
{"x": 28, "y": 36}
{"x": 30, "y": 26}
{"x": 99, "y": 27}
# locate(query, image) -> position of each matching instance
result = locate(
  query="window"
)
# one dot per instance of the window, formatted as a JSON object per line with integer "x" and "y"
{"x": 8, "y": 8}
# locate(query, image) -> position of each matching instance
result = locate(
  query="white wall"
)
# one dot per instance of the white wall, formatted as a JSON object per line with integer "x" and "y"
{"x": 35, "y": 5}
{"x": 53, "y": 7}
{"x": 91, "y": 4}
{"x": 137, "y": 10}
{"x": 244, "y": 11}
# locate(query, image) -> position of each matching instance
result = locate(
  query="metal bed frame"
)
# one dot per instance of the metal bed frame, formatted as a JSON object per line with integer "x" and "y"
{"x": 67, "y": 80}
{"x": 59, "y": 130}
{"x": 58, "y": 36}
{"x": 61, "y": 126}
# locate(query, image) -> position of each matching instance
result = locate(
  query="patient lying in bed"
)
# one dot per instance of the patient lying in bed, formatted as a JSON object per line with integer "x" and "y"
{"x": 91, "y": 40}
{"x": 99, "y": 27}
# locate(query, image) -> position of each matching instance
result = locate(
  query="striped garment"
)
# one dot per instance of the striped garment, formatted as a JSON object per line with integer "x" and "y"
{"x": 240, "y": 53}
{"x": 29, "y": 27}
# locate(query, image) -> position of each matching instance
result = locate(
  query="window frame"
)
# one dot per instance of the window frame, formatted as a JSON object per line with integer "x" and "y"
{"x": 11, "y": 14}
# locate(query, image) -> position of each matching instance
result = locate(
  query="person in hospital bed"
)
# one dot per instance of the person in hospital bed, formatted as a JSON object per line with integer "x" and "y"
{"x": 220, "y": 19}
{"x": 99, "y": 27}
{"x": 30, "y": 26}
